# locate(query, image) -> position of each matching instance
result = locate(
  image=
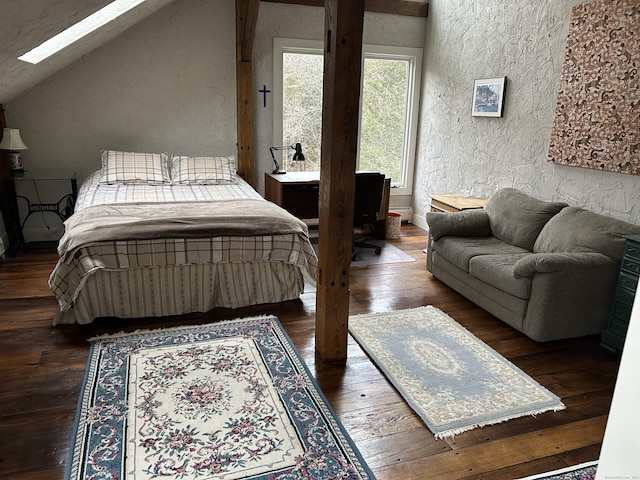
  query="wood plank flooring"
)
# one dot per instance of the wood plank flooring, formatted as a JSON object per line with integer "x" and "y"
{"x": 42, "y": 367}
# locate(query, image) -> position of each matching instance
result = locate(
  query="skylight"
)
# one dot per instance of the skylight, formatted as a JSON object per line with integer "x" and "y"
{"x": 76, "y": 32}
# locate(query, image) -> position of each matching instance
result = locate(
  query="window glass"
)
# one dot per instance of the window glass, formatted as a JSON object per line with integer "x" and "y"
{"x": 302, "y": 108}
{"x": 384, "y": 111}
{"x": 388, "y": 116}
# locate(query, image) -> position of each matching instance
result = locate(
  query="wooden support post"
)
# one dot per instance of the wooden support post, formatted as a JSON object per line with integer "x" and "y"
{"x": 245, "y": 120}
{"x": 246, "y": 18}
{"x": 340, "y": 111}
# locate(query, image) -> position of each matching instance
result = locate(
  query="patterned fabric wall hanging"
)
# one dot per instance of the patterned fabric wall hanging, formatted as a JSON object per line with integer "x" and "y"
{"x": 597, "y": 118}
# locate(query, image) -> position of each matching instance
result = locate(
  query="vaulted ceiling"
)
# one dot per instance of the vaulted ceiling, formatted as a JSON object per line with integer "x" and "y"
{"x": 26, "y": 24}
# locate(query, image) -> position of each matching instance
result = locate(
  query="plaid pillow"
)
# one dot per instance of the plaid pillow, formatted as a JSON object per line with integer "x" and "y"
{"x": 132, "y": 167}
{"x": 203, "y": 170}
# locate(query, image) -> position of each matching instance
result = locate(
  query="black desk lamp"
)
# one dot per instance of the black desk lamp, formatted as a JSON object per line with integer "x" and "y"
{"x": 298, "y": 156}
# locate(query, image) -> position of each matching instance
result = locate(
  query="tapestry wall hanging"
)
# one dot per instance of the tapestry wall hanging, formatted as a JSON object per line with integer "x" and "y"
{"x": 598, "y": 108}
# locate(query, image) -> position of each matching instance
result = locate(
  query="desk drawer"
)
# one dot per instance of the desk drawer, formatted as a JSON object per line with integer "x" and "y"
{"x": 301, "y": 200}
{"x": 631, "y": 265}
{"x": 625, "y": 296}
{"x": 618, "y": 326}
{"x": 621, "y": 311}
{"x": 628, "y": 281}
{"x": 632, "y": 249}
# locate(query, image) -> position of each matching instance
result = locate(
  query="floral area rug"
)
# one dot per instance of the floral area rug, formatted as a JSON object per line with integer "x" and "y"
{"x": 450, "y": 378}
{"x": 229, "y": 400}
{"x": 584, "y": 471}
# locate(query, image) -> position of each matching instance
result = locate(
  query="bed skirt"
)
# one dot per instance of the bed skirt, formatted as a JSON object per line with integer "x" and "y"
{"x": 181, "y": 289}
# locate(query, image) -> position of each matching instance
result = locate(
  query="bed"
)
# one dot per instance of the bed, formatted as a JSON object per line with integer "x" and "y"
{"x": 149, "y": 240}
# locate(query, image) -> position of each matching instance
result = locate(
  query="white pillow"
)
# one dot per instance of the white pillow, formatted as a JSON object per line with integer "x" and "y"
{"x": 203, "y": 170}
{"x": 133, "y": 167}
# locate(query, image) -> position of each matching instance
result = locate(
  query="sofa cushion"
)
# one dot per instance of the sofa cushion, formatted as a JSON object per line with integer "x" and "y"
{"x": 578, "y": 230}
{"x": 517, "y": 218}
{"x": 459, "y": 250}
{"x": 497, "y": 270}
{"x": 506, "y": 307}
{"x": 550, "y": 262}
{"x": 468, "y": 223}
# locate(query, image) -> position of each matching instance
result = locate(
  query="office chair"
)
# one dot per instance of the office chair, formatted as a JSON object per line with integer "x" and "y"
{"x": 369, "y": 191}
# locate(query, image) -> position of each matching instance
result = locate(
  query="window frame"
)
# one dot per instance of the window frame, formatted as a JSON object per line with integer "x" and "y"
{"x": 413, "y": 55}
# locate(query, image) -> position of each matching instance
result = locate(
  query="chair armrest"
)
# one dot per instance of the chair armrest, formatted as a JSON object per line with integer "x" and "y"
{"x": 561, "y": 262}
{"x": 468, "y": 223}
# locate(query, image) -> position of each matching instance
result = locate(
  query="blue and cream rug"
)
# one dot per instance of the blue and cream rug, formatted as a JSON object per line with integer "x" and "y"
{"x": 584, "y": 471}
{"x": 452, "y": 380}
{"x": 229, "y": 400}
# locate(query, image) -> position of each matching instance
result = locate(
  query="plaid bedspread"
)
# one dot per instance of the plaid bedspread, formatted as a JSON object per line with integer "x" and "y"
{"x": 80, "y": 260}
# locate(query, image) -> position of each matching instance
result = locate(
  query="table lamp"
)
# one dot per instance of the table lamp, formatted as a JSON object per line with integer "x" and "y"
{"x": 11, "y": 141}
{"x": 298, "y": 156}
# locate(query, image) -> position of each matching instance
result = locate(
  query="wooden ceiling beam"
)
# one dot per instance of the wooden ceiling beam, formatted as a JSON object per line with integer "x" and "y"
{"x": 395, "y": 7}
{"x": 249, "y": 33}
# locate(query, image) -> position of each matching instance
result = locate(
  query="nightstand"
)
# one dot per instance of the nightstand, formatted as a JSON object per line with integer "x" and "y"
{"x": 42, "y": 206}
{"x": 455, "y": 203}
{"x": 612, "y": 338}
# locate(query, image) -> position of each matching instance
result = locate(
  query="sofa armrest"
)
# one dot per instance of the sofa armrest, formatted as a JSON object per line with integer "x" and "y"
{"x": 561, "y": 262}
{"x": 468, "y": 223}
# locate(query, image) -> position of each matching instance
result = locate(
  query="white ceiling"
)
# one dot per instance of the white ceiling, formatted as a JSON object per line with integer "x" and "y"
{"x": 25, "y": 24}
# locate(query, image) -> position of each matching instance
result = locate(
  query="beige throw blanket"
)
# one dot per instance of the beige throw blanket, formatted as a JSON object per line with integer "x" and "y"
{"x": 247, "y": 217}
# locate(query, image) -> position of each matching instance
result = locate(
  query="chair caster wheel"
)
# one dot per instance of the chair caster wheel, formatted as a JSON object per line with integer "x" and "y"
{"x": 378, "y": 250}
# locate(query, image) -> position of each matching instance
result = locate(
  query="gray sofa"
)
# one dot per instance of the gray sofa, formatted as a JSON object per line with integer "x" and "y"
{"x": 545, "y": 268}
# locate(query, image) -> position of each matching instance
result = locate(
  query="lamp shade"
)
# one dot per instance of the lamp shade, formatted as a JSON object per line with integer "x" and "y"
{"x": 298, "y": 156}
{"x": 11, "y": 140}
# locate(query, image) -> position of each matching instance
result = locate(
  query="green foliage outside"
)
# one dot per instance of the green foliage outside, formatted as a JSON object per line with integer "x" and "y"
{"x": 302, "y": 108}
{"x": 384, "y": 110}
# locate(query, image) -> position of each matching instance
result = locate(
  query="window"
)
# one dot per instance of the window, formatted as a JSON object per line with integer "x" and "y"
{"x": 388, "y": 110}
{"x": 79, "y": 30}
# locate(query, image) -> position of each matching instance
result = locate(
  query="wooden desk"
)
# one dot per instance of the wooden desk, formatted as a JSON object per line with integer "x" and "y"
{"x": 299, "y": 192}
{"x": 296, "y": 192}
{"x": 455, "y": 203}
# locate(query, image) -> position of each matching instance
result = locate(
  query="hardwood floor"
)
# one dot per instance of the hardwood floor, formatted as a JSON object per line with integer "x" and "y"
{"x": 42, "y": 367}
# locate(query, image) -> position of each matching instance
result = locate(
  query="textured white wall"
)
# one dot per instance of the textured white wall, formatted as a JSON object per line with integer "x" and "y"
{"x": 166, "y": 84}
{"x": 523, "y": 40}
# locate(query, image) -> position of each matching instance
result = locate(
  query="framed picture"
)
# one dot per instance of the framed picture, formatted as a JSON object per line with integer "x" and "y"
{"x": 488, "y": 97}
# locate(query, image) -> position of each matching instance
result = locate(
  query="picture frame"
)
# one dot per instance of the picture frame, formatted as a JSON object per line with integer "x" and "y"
{"x": 488, "y": 97}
